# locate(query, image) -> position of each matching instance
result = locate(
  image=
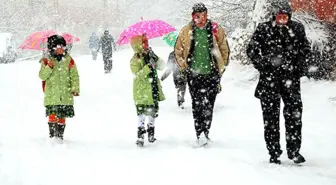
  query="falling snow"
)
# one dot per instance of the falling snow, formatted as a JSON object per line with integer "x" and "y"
{"x": 99, "y": 140}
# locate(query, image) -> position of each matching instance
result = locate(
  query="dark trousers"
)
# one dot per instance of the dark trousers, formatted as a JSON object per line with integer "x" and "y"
{"x": 293, "y": 121}
{"x": 107, "y": 63}
{"x": 203, "y": 91}
{"x": 181, "y": 90}
{"x": 94, "y": 55}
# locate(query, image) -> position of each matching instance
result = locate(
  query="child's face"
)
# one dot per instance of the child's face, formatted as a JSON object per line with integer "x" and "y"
{"x": 145, "y": 43}
{"x": 59, "y": 49}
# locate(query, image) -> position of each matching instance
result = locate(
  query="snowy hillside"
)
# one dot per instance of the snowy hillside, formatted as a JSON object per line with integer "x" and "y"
{"x": 99, "y": 146}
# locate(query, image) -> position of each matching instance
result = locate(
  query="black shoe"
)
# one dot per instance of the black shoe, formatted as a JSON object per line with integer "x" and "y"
{"x": 151, "y": 132}
{"x": 206, "y": 134}
{"x": 60, "y": 131}
{"x": 202, "y": 141}
{"x": 180, "y": 104}
{"x": 296, "y": 157}
{"x": 52, "y": 129}
{"x": 140, "y": 142}
{"x": 275, "y": 160}
{"x": 198, "y": 135}
{"x": 275, "y": 157}
{"x": 151, "y": 139}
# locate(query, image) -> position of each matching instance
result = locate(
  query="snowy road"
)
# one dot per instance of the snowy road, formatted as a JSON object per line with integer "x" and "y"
{"x": 99, "y": 146}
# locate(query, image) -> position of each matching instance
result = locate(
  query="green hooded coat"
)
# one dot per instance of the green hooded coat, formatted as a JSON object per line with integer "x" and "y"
{"x": 60, "y": 81}
{"x": 142, "y": 86}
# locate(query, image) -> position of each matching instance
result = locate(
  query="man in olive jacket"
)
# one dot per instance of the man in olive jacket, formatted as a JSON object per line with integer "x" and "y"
{"x": 202, "y": 52}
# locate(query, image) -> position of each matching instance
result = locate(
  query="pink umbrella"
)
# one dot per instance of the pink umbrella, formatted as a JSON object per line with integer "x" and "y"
{"x": 37, "y": 40}
{"x": 152, "y": 29}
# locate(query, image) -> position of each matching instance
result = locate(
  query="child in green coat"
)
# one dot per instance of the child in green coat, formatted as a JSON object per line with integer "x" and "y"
{"x": 147, "y": 89}
{"x": 60, "y": 84}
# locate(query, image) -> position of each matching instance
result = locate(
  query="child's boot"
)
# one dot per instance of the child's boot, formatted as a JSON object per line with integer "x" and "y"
{"x": 60, "y": 131}
{"x": 141, "y": 136}
{"x": 52, "y": 129}
{"x": 151, "y": 129}
{"x": 151, "y": 132}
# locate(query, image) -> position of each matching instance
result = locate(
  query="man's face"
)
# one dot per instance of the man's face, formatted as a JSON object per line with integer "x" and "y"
{"x": 200, "y": 18}
{"x": 281, "y": 18}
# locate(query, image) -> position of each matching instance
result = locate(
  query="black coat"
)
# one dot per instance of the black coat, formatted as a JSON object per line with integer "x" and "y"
{"x": 280, "y": 55}
{"x": 106, "y": 43}
{"x": 179, "y": 77}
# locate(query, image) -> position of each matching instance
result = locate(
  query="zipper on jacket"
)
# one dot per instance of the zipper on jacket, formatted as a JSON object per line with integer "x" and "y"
{"x": 59, "y": 81}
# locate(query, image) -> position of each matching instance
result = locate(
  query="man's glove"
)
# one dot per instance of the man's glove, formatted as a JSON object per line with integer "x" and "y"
{"x": 219, "y": 88}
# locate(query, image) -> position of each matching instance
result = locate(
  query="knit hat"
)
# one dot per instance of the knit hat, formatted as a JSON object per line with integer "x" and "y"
{"x": 281, "y": 6}
{"x": 55, "y": 40}
{"x": 198, "y": 8}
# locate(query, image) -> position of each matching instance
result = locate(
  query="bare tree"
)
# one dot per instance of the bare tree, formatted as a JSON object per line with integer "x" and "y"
{"x": 231, "y": 14}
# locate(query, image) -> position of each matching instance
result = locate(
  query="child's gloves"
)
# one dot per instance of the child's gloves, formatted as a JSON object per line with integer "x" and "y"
{"x": 50, "y": 64}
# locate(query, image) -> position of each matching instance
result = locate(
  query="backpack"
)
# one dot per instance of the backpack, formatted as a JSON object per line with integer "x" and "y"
{"x": 45, "y": 61}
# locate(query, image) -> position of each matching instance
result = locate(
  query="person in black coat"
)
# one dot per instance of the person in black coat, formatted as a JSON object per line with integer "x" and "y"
{"x": 279, "y": 50}
{"x": 180, "y": 80}
{"x": 106, "y": 43}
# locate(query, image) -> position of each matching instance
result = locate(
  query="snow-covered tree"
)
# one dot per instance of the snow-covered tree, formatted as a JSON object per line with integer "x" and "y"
{"x": 231, "y": 14}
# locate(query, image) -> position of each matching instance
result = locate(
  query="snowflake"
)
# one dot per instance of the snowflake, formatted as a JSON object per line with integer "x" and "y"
{"x": 291, "y": 33}
{"x": 289, "y": 83}
{"x": 313, "y": 69}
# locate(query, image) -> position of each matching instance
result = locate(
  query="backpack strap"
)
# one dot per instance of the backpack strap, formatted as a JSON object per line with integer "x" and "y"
{"x": 45, "y": 61}
{"x": 215, "y": 29}
{"x": 71, "y": 64}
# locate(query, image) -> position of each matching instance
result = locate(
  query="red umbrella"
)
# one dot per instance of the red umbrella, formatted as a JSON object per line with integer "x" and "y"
{"x": 37, "y": 40}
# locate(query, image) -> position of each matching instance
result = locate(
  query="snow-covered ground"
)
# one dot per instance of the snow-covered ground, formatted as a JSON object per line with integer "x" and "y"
{"x": 99, "y": 146}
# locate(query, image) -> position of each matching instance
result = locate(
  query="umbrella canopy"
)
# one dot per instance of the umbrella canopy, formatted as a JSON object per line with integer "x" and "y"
{"x": 37, "y": 40}
{"x": 151, "y": 28}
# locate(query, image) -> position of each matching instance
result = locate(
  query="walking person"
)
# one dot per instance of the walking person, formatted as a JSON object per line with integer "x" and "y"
{"x": 94, "y": 45}
{"x": 180, "y": 80}
{"x": 202, "y": 52}
{"x": 60, "y": 84}
{"x": 147, "y": 90}
{"x": 108, "y": 45}
{"x": 279, "y": 50}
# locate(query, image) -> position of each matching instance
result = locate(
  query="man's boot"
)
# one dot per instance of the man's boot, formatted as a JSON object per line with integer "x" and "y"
{"x": 296, "y": 157}
{"x": 275, "y": 157}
